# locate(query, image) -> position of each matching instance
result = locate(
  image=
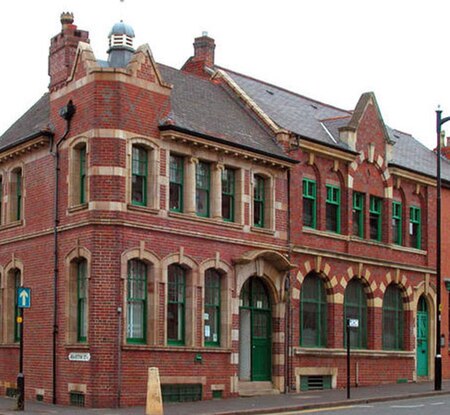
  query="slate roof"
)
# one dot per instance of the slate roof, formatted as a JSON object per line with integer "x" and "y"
{"x": 321, "y": 122}
{"x": 35, "y": 120}
{"x": 201, "y": 106}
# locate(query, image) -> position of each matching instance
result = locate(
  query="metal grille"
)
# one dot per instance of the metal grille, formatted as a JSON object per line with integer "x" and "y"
{"x": 181, "y": 393}
{"x": 77, "y": 398}
{"x": 315, "y": 382}
{"x": 11, "y": 392}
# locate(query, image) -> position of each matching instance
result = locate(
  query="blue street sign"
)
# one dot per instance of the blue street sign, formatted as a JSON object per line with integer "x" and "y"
{"x": 24, "y": 297}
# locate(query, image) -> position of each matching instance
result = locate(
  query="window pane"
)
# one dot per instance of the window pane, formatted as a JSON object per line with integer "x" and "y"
{"x": 332, "y": 217}
{"x": 202, "y": 188}
{"x": 393, "y": 318}
{"x": 355, "y": 305}
{"x": 258, "y": 201}
{"x": 176, "y": 184}
{"x": 176, "y": 304}
{"x": 139, "y": 178}
{"x": 333, "y": 209}
{"x": 136, "y": 301}
{"x": 82, "y": 301}
{"x": 228, "y": 194}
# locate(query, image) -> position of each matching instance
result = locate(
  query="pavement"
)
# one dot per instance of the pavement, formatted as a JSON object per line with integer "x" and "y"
{"x": 252, "y": 405}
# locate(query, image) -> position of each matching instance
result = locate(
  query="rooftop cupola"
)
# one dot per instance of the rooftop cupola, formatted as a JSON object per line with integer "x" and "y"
{"x": 120, "y": 44}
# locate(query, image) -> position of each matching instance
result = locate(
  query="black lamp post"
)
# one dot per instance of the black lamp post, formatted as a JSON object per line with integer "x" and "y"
{"x": 438, "y": 357}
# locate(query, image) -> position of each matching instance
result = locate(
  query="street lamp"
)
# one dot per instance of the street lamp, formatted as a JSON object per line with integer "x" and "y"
{"x": 438, "y": 357}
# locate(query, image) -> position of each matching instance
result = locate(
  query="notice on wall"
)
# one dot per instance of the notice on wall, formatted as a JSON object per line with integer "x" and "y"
{"x": 79, "y": 357}
{"x": 207, "y": 331}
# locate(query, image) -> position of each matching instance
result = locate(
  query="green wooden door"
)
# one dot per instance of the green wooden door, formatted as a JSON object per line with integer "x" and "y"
{"x": 255, "y": 300}
{"x": 422, "y": 338}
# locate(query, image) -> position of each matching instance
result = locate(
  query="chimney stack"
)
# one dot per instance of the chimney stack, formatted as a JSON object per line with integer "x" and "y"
{"x": 204, "y": 47}
{"x": 63, "y": 48}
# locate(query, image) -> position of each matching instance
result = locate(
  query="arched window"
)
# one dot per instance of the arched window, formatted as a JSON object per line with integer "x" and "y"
{"x": 393, "y": 317}
{"x": 78, "y": 301}
{"x": 176, "y": 305}
{"x": 313, "y": 312}
{"x": 355, "y": 307}
{"x": 136, "y": 301}
{"x": 212, "y": 308}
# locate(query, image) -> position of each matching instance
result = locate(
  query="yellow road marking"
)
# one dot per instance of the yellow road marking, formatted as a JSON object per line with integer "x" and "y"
{"x": 309, "y": 411}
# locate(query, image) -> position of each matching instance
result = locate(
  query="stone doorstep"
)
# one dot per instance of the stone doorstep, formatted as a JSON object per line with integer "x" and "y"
{"x": 247, "y": 388}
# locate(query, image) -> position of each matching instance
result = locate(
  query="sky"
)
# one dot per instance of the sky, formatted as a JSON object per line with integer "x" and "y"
{"x": 328, "y": 50}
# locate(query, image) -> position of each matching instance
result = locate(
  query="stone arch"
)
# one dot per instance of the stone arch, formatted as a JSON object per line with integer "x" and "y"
{"x": 8, "y": 296}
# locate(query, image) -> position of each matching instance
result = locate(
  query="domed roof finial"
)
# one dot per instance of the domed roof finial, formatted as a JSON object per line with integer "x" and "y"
{"x": 120, "y": 44}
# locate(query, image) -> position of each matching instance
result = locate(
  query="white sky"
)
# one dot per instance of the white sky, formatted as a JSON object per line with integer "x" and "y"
{"x": 329, "y": 50}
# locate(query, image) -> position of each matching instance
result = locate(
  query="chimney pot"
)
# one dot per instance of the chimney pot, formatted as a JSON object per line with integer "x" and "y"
{"x": 66, "y": 19}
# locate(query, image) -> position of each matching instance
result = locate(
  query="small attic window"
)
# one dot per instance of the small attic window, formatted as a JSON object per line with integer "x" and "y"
{"x": 269, "y": 92}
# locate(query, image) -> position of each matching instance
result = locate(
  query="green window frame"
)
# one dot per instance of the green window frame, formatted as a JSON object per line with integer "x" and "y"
{"x": 139, "y": 170}
{"x": 313, "y": 312}
{"x": 358, "y": 214}
{"x": 82, "y": 158}
{"x": 16, "y": 282}
{"x": 333, "y": 209}
{"x": 137, "y": 302}
{"x": 212, "y": 308}
{"x": 375, "y": 218}
{"x": 176, "y": 186}
{"x": 258, "y": 201}
{"x": 82, "y": 301}
{"x": 19, "y": 195}
{"x": 397, "y": 223}
{"x": 393, "y": 318}
{"x": 202, "y": 188}
{"x": 415, "y": 227}
{"x": 309, "y": 203}
{"x": 176, "y": 305}
{"x": 228, "y": 194}
{"x": 355, "y": 307}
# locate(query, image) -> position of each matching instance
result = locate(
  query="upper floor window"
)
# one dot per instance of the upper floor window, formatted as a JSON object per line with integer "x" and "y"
{"x": 333, "y": 209}
{"x": 393, "y": 317}
{"x": 202, "y": 188}
{"x": 415, "y": 231}
{"x": 309, "y": 203}
{"x": 212, "y": 308}
{"x": 136, "y": 301}
{"x": 139, "y": 176}
{"x": 16, "y": 193}
{"x": 313, "y": 312}
{"x": 228, "y": 194}
{"x": 358, "y": 214}
{"x": 375, "y": 218}
{"x": 176, "y": 305}
{"x": 397, "y": 223}
{"x": 82, "y": 175}
{"x": 176, "y": 183}
{"x": 1, "y": 200}
{"x": 258, "y": 201}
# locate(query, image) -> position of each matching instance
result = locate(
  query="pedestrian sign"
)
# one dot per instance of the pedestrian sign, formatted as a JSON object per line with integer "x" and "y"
{"x": 24, "y": 297}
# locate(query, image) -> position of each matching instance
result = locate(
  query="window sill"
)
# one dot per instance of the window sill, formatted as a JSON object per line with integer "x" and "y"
{"x": 10, "y": 225}
{"x": 142, "y": 209}
{"x": 77, "y": 346}
{"x": 389, "y": 246}
{"x": 147, "y": 348}
{"x": 306, "y": 351}
{"x": 265, "y": 231}
{"x": 200, "y": 219}
{"x": 77, "y": 208}
{"x": 9, "y": 345}
{"x": 326, "y": 234}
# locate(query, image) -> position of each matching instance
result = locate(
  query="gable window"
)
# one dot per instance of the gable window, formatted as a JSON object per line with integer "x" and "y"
{"x": 136, "y": 301}
{"x": 358, "y": 214}
{"x": 313, "y": 312}
{"x": 375, "y": 219}
{"x": 397, "y": 223}
{"x": 176, "y": 286}
{"x": 82, "y": 300}
{"x": 228, "y": 194}
{"x": 258, "y": 201}
{"x": 202, "y": 188}
{"x": 415, "y": 231}
{"x": 309, "y": 203}
{"x": 176, "y": 183}
{"x": 355, "y": 307}
{"x": 212, "y": 308}
{"x": 393, "y": 317}
{"x": 139, "y": 176}
{"x": 333, "y": 209}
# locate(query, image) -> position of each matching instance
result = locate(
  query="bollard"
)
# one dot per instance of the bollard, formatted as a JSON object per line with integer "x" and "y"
{"x": 154, "y": 400}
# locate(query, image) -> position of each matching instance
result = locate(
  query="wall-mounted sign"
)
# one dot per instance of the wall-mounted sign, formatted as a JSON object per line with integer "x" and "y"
{"x": 79, "y": 357}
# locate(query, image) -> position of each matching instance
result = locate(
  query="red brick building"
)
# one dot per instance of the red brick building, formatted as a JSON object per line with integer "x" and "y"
{"x": 209, "y": 224}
